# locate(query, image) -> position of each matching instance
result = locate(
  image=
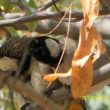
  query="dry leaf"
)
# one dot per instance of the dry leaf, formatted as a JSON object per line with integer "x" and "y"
{"x": 81, "y": 78}
{"x": 54, "y": 76}
{"x": 78, "y": 105}
{"x": 3, "y": 33}
{"x": 90, "y": 47}
{"x": 90, "y": 10}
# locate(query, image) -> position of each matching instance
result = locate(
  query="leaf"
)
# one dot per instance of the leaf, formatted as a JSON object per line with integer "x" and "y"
{"x": 6, "y": 5}
{"x": 12, "y": 31}
{"x": 89, "y": 49}
{"x": 51, "y": 77}
{"x": 32, "y": 4}
{"x": 54, "y": 76}
{"x": 81, "y": 62}
{"x": 31, "y": 25}
{"x": 90, "y": 42}
{"x": 2, "y": 32}
{"x": 78, "y": 105}
{"x": 90, "y": 10}
{"x": 81, "y": 79}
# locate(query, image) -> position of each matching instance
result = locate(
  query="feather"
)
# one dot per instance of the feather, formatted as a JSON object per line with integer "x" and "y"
{"x": 14, "y": 47}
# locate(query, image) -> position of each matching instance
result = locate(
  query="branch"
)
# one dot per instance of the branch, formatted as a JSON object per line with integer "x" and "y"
{"x": 37, "y": 16}
{"x": 101, "y": 78}
{"x": 43, "y": 16}
{"x": 102, "y": 25}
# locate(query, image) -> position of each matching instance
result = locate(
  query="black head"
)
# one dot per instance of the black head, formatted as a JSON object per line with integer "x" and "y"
{"x": 46, "y": 50}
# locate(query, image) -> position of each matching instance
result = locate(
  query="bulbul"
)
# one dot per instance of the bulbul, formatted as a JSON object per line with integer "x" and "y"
{"x": 43, "y": 49}
{"x": 30, "y": 58}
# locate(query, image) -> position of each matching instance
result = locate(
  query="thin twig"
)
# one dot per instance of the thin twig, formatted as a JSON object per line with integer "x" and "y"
{"x": 47, "y": 5}
{"x": 68, "y": 30}
{"x": 19, "y": 4}
{"x": 57, "y": 24}
{"x": 54, "y": 3}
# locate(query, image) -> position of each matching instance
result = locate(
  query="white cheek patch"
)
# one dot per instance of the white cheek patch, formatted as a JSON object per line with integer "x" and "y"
{"x": 53, "y": 47}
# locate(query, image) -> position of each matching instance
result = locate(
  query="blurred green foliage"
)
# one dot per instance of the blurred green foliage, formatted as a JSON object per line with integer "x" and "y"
{"x": 6, "y": 5}
{"x": 99, "y": 100}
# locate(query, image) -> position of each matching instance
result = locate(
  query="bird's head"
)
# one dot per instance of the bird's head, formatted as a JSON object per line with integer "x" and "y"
{"x": 46, "y": 50}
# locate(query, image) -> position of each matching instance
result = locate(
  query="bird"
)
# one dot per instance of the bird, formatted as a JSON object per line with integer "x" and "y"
{"x": 64, "y": 66}
{"x": 37, "y": 57}
{"x": 43, "y": 49}
{"x": 30, "y": 59}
